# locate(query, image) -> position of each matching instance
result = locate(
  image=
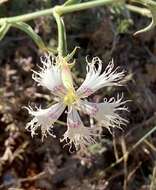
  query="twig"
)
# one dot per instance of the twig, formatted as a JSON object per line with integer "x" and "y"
{"x": 21, "y": 180}
{"x": 153, "y": 181}
{"x": 115, "y": 147}
{"x": 124, "y": 150}
{"x": 133, "y": 171}
{"x": 141, "y": 140}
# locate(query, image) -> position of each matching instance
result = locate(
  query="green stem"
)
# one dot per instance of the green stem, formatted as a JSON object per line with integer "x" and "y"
{"x": 83, "y": 6}
{"x": 27, "y": 17}
{"x": 145, "y": 2}
{"x": 57, "y": 12}
{"x": 59, "y": 9}
{"x": 142, "y": 11}
{"x": 62, "y": 45}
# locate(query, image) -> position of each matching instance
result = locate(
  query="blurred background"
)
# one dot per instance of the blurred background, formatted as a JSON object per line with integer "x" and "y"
{"x": 107, "y": 32}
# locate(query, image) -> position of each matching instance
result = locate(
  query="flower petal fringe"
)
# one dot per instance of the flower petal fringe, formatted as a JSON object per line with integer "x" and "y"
{"x": 95, "y": 80}
{"x": 56, "y": 76}
{"x": 50, "y": 76}
{"x": 107, "y": 112}
{"x": 44, "y": 118}
{"x": 76, "y": 133}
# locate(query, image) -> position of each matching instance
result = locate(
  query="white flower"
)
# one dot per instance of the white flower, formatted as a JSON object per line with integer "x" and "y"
{"x": 76, "y": 133}
{"x": 44, "y": 118}
{"x": 106, "y": 113}
{"x": 95, "y": 80}
{"x": 50, "y": 76}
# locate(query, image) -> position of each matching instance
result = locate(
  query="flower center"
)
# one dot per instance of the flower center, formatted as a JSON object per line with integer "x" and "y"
{"x": 70, "y": 98}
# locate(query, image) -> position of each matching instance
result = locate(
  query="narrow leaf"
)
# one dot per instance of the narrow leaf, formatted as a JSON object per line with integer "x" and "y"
{"x": 35, "y": 37}
{"x": 151, "y": 5}
{"x": 3, "y": 30}
{"x": 28, "y": 29}
{"x": 70, "y": 56}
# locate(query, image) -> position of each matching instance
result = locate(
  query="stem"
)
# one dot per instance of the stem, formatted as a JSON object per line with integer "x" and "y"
{"x": 145, "y": 2}
{"x": 57, "y": 12}
{"x": 60, "y": 10}
{"x": 141, "y": 140}
{"x": 62, "y": 45}
{"x": 142, "y": 11}
{"x": 83, "y": 6}
{"x": 27, "y": 17}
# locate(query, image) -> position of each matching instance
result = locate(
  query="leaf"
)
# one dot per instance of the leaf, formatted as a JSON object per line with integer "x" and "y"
{"x": 70, "y": 56}
{"x": 71, "y": 2}
{"x": 28, "y": 29}
{"x": 3, "y": 30}
{"x": 151, "y": 5}
{"x": 35, "y": 37}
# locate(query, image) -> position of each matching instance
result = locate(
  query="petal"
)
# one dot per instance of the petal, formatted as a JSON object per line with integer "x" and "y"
{"x": 50, "y": 76}
{"x": 106, "y": 113}
{"x": 94, "y": 80}
{"x": 45, "y": 119}
{"x": 76, "y": 133}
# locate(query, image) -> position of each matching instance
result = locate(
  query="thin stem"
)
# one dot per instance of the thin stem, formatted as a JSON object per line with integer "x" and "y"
{"x": 141, "y": 140}
{"x": 145, "y": 2}
{"x": 59, "y": 9}
{"x": 27, "y": 17}
{"x": 83, "y": 6}
{"x": 142, "y": 11}
{"x": 62, "y": 45}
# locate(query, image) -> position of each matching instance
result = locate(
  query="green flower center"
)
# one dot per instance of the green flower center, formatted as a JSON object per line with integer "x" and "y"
{"x": 70, "y": 98}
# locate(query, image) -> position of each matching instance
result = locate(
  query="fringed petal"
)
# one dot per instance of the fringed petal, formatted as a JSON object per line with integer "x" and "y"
{"x": 107, "y": 112}
{"x": 45, "y": 119}
{"x": 50, "y": 76}
{"x": 77, "y": 134}
{"x": 95, "y": 80}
